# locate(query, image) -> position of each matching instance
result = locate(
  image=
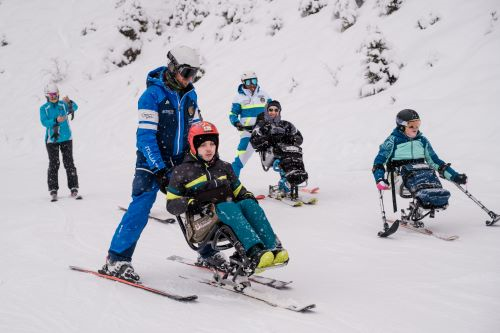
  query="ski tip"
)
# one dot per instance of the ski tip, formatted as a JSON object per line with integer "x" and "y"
{"x": 304, "y": 308}
{"x": 260, "y": 197}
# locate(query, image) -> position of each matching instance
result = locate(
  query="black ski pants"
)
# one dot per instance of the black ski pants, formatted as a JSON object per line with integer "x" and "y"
{"x": 66, "y": 148}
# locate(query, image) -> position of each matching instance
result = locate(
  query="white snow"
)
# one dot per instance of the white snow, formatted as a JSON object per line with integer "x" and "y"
{"x": 360, "y": 283}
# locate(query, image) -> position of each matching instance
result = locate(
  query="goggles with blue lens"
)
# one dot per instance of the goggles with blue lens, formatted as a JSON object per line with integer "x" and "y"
{"x": 250, "y": 82}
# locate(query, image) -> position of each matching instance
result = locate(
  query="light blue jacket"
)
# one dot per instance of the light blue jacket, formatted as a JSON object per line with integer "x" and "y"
{"x": 48, "y": 115}
{"x": 399, "y": 147}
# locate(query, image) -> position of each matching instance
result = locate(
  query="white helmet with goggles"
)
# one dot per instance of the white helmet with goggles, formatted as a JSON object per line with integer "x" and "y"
{"x": 51, "y": 89}
{"x": 249, "y": 78}
{"x": 184, "y": 60}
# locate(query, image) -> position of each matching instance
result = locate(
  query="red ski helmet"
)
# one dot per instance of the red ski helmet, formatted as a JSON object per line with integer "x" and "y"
{"x": 201, "y": 132}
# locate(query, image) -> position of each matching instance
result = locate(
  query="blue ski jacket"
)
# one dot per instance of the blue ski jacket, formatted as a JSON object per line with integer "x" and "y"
{"x": 400, "y": 148}
{"x": 165, "y": 117}
{"x": 48, "y": 115}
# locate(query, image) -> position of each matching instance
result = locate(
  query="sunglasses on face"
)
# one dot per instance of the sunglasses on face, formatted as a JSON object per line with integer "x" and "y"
{"x": 272, "y": 109}
{"x": 250, "y": 82}
{"x": 188, "y": 72}
{"x": 52, "y": 95}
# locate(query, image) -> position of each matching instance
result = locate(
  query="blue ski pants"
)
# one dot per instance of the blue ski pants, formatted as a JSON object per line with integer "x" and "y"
{"x": 144, "y": 189}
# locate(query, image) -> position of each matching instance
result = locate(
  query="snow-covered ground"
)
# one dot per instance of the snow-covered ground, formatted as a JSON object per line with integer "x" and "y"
{"x": 360, "y": 283}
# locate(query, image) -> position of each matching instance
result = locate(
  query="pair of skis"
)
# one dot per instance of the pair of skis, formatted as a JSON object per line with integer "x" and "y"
{"x": 265, "y": 281}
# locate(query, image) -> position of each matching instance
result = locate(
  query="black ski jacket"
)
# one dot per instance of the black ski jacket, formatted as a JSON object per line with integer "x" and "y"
{"x": 269, "y": 133}
{"x": 194, "y": 179}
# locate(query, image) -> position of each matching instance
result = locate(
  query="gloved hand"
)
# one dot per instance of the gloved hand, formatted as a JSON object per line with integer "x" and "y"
{"x": 460, "y": 178}
{"x": 382, "y": 185}
{"x": 249, "y": 195}
{"x": 262, "y": 146}
{"x": 162, "y": 180}
{"x": 239, "y": 126}
{"x": 194, "y": 207}
{"x": 71, "y": 112}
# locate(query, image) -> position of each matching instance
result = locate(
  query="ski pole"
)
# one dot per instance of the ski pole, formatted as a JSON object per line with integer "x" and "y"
{"x": 387, "y": 230}
{"x": 494, "y": 217}
{"x": 382, "y": 209}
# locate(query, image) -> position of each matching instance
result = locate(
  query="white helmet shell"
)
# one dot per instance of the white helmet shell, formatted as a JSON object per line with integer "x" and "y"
{"x": 184, "y": 55}
{"x": 248, "y": 75}
{"x": 51, "y": 88}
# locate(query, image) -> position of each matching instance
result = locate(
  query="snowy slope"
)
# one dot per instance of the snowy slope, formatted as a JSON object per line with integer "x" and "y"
{"x": 360, "y": 283}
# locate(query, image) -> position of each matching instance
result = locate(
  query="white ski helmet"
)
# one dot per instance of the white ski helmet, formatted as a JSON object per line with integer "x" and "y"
{"x": 50, "y": 88}
{"x": 248, "y": 75}
{"x": 184, "y": 60}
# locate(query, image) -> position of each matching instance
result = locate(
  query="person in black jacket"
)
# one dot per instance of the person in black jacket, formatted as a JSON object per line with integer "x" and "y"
{"x": 279, "y": 140}
{"x": 203, "y": 179}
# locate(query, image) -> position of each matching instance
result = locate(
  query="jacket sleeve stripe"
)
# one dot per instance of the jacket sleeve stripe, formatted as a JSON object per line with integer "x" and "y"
{"x": 148, "y": 115}
{"x": 148, "y": 126}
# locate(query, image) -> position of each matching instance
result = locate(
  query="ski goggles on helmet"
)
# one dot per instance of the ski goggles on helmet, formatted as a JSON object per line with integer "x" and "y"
{"x": 250, "y": 82}
{"x": 52, "y": 95}
{"x": 187, "y": 72}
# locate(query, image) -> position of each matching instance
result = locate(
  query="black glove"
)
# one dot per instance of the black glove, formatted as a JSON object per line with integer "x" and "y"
{"x": 162, "y": 180}
{"x": 460, "y": 178}
{"x": 239, "y": 126}
{"x": 194, "y": 207}
{"x": 71, "y": 112}
{"x": 262, "y": 146}
{"x": 249, "y": 195}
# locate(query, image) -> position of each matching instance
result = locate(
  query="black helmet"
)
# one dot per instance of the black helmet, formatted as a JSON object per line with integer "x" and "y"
{"x": 405, "y": 116}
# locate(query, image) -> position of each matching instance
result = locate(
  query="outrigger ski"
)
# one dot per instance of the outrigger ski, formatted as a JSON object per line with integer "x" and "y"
{"x": 389, "y": 230}
{"x": 138, "y": 285}
{"x": 270, "y": 282}
{"x": 156, "y": 218}
{"x": 423, "y": 230}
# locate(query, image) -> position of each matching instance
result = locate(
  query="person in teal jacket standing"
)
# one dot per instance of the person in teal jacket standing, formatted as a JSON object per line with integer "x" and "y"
{"x": 54, "y": 117}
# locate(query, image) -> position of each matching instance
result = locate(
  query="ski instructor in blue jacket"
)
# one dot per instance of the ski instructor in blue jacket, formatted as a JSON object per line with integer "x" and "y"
{"x": 167, "y": 109}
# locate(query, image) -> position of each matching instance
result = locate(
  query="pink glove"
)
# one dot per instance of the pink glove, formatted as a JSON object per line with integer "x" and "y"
{"x": 382, "y": 185}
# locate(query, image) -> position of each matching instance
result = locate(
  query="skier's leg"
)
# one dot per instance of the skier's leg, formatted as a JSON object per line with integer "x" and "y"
{"x": 256, "y": 217}
{"x": 52, "y": 172}
{"x": 67, "y": 154}
{"x": 245, "y": 151}
{"x": 230, "y": 214}
{"x": 144, "y": 189}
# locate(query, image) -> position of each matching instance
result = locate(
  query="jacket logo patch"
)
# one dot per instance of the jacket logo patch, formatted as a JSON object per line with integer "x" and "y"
{"x": 147, "y": 116}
